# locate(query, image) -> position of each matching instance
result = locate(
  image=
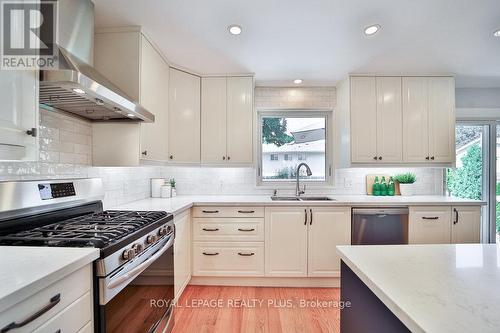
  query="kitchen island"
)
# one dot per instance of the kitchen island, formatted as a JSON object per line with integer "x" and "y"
{"x": 421, "y": 288}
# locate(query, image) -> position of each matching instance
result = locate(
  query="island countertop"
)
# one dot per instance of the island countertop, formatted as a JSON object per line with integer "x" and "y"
{"x": 433, "y": 288}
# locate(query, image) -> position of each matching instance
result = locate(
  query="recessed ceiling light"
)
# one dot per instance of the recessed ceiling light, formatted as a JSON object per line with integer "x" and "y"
{"x": 79, "y": 91}
{"x": 234, "y": 29}
{"x": 297, "y": 81}
{"x": 497, "y": 33}
{"x": 372, "y": 29}
{"x": 130, "y": 115}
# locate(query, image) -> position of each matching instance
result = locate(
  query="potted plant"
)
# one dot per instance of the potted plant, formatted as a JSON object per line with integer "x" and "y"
{"x": 406, "y": 183}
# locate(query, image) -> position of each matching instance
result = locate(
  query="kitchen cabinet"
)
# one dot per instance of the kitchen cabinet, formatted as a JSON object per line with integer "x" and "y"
{"x": 19, "y": 115}
{"x": 466, "y": 224}
{"x": 429, "y": 120}
{"x": 131, "y": 61}
{"x": 226, "y": 120}
{"x": 301, "y": 241}
{"x": 395, "y": 120}
{"x": 429, "y": 225}
{"x": 184, "y": 117}
{"x": 182, "y": 252}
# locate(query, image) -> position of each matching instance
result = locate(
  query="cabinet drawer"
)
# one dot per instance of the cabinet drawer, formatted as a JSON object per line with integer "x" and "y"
{"x": 429, "y": 225}
{"x": 228, "y": 229}
{"x": 228, "y": 211}
{"x": 71, "y": 319}
{"x": 228, "y": 259}
{"x": 60, "y": 294}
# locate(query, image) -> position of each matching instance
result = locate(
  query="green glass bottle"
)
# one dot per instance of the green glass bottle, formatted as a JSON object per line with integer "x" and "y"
{"x": 383, "y": 186}
{"x": 391, "y": 188}
{"x": 376, "y": 187}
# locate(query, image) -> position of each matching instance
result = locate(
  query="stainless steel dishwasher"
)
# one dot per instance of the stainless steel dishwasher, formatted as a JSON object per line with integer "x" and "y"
{"x": 379, "y": 226}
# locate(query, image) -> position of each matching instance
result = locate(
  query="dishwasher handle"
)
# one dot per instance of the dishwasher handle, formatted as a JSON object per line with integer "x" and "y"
{"x": 380, "y": 211}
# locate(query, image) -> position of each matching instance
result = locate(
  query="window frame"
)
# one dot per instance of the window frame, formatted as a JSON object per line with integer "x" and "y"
{"x": 303, "y": 113}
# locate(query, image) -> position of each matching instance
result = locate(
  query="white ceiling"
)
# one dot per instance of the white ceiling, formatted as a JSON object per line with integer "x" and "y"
{"x": 320, "y": 41}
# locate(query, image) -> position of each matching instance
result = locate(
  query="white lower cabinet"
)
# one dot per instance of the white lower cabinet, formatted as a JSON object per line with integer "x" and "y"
{"x": 466, "y": 224}
{"x": 429, "y": 225}
{"x": 182, "y": 252}
{"x": 301, "y": 241}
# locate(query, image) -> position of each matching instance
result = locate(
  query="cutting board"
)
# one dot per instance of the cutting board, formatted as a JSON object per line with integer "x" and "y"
{"x": 370, "y": 179}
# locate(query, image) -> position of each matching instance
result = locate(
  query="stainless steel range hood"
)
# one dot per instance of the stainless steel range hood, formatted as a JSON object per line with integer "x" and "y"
{"x": 76, "y": 87}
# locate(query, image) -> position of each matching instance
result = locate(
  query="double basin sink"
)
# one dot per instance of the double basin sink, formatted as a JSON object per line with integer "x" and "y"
{"x": 301, "y": 199}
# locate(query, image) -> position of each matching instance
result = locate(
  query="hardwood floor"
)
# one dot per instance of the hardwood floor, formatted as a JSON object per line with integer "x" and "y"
{"x": 206, "y": 309}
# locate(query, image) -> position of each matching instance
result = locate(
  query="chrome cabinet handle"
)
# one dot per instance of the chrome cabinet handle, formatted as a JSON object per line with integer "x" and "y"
{"x": 211, "y": 254}
{"x": 252, "y": 229}
{"x": 311, "y": 220}
{"x": 214, "y": 229}
{"x": 210, "y": 211}
{"x": 430, "y": 217}
{"x": 246, "y": 254}
{"x": 456, "y": 216}
{"x": 52, "y": 302}
{"x": 305, "y": 216}
{"x": 246, "y": 211}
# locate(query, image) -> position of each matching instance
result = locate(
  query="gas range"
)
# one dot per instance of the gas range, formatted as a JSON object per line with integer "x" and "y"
{"x": 136, "y": 247}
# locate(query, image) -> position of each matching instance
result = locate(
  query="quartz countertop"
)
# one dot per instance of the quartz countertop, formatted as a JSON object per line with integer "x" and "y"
{"x": 26, "y": 270}
{"x": 180, "y": 203}
{"x": 433, "y": 288}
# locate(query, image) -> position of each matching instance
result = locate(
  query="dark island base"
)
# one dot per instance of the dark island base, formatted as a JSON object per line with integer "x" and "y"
{"x": 367, "y": 313}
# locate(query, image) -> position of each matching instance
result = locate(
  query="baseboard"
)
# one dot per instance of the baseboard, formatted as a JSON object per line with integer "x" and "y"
{"x": 330, "y": 282}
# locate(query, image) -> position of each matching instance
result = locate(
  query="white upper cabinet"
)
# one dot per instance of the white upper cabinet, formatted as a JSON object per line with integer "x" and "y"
{"x": 18, "y": 115}
{"x": 239, "y": 120}
{"x": 389, "y": 120}
{"x": 363, "y": 120}
{"x": 184, "y": 117}
{"x": 396, "y": 120}
{"x": 213, "y": 119}
{"x": 133, "y": 64}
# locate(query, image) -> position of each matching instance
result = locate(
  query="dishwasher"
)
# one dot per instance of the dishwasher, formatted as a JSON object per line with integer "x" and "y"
{"x": 379, "y": 226}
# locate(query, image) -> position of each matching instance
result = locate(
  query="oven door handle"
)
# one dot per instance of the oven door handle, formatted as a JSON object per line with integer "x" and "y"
{"x": 139, "y": 268}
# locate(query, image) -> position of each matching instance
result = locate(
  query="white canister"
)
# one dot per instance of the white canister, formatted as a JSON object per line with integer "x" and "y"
{"x": 156, "y": 184}
{"x": 166, "y": 191}
{"x": 174, "y": 192}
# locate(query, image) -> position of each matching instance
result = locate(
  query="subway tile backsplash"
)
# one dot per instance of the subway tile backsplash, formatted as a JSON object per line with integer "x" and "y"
{"x": 66, "y": 143}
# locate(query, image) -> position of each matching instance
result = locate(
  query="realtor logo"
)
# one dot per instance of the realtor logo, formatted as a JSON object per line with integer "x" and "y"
{"x": 28, "y": 34}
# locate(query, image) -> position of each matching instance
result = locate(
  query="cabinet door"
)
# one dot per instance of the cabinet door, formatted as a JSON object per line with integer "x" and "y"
{"x": 286, "y": 241}
{"x": 363, "y": 120}
{"x": 429, "y": 225}
{"x": 184, "y": 117}
{"x": 240, "y": 120}
{"x": 442, "y": 119}
{"x": 213, "y": 120}
{"x": 182, "y": 253}
{"x": 389, "y": 120}
{"x": 415, "y": 120}
{"x": 18, "y": 113}
{"x": 153, "y": 87}
{"x": 328, "y": 227}
{"x": 466, "y": 225}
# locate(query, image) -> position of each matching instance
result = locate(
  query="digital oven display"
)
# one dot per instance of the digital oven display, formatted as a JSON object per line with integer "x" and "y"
{"x": 56, "y": 190}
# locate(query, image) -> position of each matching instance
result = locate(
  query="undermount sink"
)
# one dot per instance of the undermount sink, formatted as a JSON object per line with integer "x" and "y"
{"x": 302, "y": 199}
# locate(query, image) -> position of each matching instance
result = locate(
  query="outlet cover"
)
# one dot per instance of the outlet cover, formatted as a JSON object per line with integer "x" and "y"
{"x": 347, "y": 182}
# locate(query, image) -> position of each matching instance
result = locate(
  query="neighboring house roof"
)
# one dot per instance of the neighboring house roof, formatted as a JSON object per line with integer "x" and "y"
{"x": 463, "y": 149}
{"x": 309, "y": 135}
{"x": 306, "y": 147}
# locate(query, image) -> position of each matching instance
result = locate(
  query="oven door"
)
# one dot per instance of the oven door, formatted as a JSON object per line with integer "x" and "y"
{"x": 139, "y": 297}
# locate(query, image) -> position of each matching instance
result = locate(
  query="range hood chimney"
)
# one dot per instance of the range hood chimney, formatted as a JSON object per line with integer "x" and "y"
{"x": 75, "y": 86}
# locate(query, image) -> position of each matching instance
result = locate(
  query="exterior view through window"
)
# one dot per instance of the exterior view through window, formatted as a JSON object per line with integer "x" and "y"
{"x": 289, "y": 141}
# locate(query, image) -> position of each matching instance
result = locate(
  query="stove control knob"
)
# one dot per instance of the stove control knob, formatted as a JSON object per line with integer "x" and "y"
{"x": 151, "y": 239}
{"x": 162, "y": 231}
{"x": 128, "y": 254}
{"x": 137, "y": 248}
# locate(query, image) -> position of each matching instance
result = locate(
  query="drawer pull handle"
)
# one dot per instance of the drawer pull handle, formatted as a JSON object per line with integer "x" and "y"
{"x": 211, "y": 254}
{"x": 214, "y": 229}
{"x": 252, "y": 229}
{"x": 53, "y": 302}
{"x": 210, "y": 211}
{"x": 246, "y": 211}
{"x": 246, "y": 254}
{"x": 430, "y": 217}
